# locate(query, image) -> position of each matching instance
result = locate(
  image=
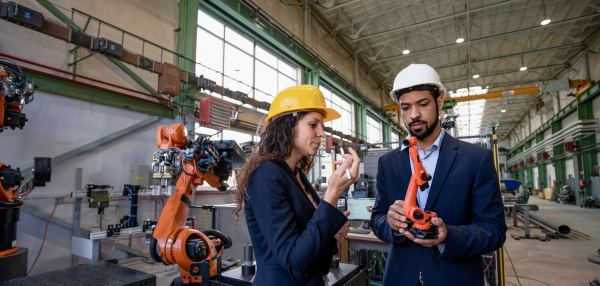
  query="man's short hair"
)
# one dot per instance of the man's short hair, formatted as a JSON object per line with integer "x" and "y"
{"x": 433, "y": 90}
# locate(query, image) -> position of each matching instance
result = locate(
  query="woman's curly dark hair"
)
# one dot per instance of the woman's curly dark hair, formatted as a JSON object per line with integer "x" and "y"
{"x": 275, "y": 145}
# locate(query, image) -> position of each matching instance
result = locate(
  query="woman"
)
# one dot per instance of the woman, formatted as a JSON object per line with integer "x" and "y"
{"x": 293, "y": 232}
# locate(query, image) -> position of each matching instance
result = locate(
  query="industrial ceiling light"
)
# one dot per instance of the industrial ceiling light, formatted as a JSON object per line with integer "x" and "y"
{"x": 459, "y": 39}
{"x": 546, "y": 20}
{"x": 406, "y": 50}
{"x": 503, "y": 110}
{"x": 523, "y": 67}
{"x": 475, "y": 76}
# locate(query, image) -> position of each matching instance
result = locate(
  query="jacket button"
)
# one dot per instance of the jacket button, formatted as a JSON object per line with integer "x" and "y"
{"x": 389, "y": 238}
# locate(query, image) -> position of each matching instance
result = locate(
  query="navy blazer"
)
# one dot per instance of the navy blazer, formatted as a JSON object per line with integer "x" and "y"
{"x": 465, "y": 194}
{"x": 293, "y": 242}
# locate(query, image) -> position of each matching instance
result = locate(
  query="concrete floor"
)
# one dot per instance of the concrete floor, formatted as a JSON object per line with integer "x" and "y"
{"x": 557, "y": 262}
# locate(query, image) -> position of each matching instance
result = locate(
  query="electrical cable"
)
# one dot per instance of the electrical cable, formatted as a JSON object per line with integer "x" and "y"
{"x": 27, "y": 193}
{"x": 111, "y": 250}
{"x": 45, "y": 231}
{"x": 115, "y": 240}
{"x": 511, "y": 264}
{"x": 137, "y": 241}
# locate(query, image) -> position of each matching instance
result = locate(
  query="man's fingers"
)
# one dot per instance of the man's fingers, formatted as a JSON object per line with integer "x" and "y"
{"x": 347, "y": 213}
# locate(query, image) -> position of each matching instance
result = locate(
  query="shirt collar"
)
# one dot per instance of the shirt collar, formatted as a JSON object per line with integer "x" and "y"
{"x": 437, "y": 143}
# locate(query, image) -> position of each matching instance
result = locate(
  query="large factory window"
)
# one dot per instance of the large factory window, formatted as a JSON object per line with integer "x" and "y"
{"x": 346, "y": 123}
{"x": 373, "y": 130}
{"x": 237, "y": 62}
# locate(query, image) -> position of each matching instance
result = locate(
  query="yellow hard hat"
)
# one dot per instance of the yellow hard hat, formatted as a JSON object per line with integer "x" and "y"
{"x": 301, "y": 98}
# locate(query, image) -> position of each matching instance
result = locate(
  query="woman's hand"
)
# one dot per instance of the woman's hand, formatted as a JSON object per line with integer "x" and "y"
{"x": 338, "y": 181}
{"x": 343, "y": 232}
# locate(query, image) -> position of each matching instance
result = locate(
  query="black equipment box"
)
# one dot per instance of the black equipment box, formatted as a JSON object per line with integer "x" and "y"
{"x": 107, "y": 47}
{"x": 22, "y": 15}
{"x": 145, "y": 63}
{"x": 192, "y": 79}
{"x": 238, "y": 95}
{"x": 80, "y": 38}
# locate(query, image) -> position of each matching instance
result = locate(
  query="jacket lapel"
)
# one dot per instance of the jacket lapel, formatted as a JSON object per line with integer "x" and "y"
{"x": 442, "y": 169}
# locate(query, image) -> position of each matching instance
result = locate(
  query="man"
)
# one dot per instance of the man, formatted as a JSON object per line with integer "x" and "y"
{"x": 464, "y": 192}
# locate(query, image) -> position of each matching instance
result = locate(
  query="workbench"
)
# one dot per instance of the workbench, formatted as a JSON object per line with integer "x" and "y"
{"x": 356, "y": 240}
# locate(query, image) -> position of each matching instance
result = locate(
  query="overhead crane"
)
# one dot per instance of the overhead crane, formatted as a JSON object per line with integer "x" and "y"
{"x": 580, "y": 85}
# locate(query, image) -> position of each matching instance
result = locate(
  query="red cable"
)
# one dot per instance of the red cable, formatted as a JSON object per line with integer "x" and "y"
{"x": 490, "y": 262}
{"x": 113, "y": 248}
{"x": 45, "y": 231}
{"x": 27, "y": 193}
{"x": 138, "y": 242}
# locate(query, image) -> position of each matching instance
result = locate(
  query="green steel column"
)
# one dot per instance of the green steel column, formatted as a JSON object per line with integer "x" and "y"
{"x": 387, "y": 133}
{"x": 312, "y": 77}
{"x": 361, "y": 121}
{"x": 559, "y": 164}
{"x": 588, "y": 157}
{"x": 186, "y": 46}
{"x": 528, "y": 169}
{"x": 541, "y": 166}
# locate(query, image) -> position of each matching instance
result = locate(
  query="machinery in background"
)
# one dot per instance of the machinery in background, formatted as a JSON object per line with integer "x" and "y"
{"x": 16, "y": 90}
{"x": 361, "y": 187}
{"x": 419, "y": 220}
{"x": 180, "y": 166}
{"x": 566, "y": 196}
{"x": 13, "y": 260}
{"x": 99, "y": 196}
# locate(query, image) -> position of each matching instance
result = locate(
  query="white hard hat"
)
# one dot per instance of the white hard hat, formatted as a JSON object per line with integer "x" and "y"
{"x": 416, "y": 74}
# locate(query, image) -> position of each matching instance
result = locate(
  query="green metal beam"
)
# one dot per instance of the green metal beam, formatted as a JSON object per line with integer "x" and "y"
{"x": 83, "y": 92}
{"x": 589, "y": 158}
{"x": 312, "y": 77}
{"x": 52, "y": 9}
{"x": 560, "y": 169}
{"x": 186, "y": 46}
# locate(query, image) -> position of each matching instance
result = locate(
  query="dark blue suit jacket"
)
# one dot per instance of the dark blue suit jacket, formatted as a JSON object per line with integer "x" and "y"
{"x": 465, "y": 194}
{"x": 293, "y": 242}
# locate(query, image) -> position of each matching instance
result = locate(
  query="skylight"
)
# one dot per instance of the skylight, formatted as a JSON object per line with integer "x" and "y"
{"x": 470, "y": 113}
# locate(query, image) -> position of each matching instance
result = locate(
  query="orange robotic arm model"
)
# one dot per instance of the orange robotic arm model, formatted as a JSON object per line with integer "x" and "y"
{"x": 190, "y": 164}
{"x": 419, "y": 220}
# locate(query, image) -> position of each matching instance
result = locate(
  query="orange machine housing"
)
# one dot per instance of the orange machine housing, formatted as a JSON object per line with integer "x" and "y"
{"x": 171, "y": 232}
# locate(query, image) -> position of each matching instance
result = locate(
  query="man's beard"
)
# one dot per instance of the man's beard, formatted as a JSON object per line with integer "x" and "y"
{"x": 428, "y": 129}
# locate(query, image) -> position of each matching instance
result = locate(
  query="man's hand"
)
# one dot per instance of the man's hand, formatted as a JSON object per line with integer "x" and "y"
{"x": 343, "y": 232}
{"x": 442, "y": 232}
{"x": 396, "y": 217}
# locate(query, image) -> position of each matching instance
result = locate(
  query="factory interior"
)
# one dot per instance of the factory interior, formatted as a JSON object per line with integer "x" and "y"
{"x": 124, "y": 126}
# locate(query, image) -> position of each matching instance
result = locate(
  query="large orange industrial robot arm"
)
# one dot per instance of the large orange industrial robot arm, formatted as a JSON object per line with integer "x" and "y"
{"x": 420, "y": 221}
{"x": 190, "y": 164}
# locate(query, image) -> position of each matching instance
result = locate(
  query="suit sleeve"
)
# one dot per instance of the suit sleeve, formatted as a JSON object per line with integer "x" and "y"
{"x": 487, "y": 230}
{"x": 379, "y": 222}
{"x": 294, "y": 249}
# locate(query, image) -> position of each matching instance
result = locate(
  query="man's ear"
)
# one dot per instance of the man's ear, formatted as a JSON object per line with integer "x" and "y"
{"x": 440, "y": 102}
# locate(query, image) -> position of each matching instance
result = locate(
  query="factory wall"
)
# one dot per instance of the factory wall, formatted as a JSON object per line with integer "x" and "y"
{"x": 57, "y": 125}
